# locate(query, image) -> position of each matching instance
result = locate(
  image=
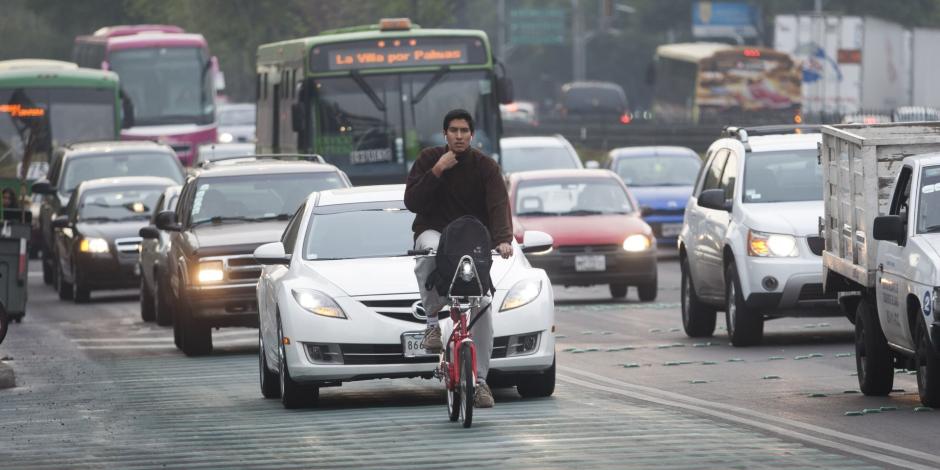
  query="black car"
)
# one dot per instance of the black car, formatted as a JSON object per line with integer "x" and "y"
{"x": 96, "y": 240}
{"x": 154, "y": 293}
{"x": 75, "y": 163}
{"x": 226, "y": 209}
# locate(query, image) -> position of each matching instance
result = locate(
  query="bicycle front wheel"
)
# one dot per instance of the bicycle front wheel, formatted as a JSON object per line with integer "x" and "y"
{"x": 466, "y": 385}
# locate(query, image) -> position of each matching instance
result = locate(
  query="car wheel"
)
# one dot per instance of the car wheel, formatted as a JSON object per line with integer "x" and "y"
{"x": 618, "y": 290}
{"x": 63, "y": 288}
{"x": 647, "y": 291}
{"x": 48, "y": 271}
{"x": 927, "y": 361}
{"x": 270, "y": 388}
{"x": 80, "y": 292}
{"x": 162, "y": 309}
{"x": 745, "y": 326}
{"x": 873, "y": 358}
{"x": 293, "y": 394}
{"x": 146, "y": 302}
{"x": 698, "y": 319}
{"x": 195, "y": 337}
{"x": 534, "y": 386}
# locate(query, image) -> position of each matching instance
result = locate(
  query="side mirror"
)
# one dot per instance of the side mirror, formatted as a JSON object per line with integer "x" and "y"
{"x": 888, "y": 228}
{"x": 505, "y": 90}
{"x": 714, "y": 199}
{"x": 42, "y": 187}
{"x": 61, "y": 221}
{"x": 271, "y": 253}
{"x": 592, "y": 165}
{"x": 534, "y": 241}
{"x": 127, "y": 111}
{"x": 166, "y": 220}
{"x": 297, "y": 118}
{"x": 149, "y": 233}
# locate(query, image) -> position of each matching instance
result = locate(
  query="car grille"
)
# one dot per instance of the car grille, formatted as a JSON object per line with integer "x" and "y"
{"x": 814, "y": 292}
{"x": 816, "y": 245}
{"x": 128, "y": 245}
{"x": 356, "y": 354}
{"x": 399, "y": 309}
{"x": 238, "y": 268}
{"x": 572, "y": 249}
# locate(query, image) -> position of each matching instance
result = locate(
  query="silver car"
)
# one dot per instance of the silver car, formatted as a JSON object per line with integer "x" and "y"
{"x": 154, "y": 303}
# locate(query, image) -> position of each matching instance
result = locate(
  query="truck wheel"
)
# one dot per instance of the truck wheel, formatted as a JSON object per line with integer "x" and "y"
{"x": 532, "y": 386}
{"x": 648, "y": 290}
{"x": 928, "y": 368}
{"x": 745, "y": 326}
{"x": 195, "y": 338}
{"x": 873, "y": 358}
{"x": 161, "y": 302}
{"x": 146, "y": 302}
{"x": 698, "y": 319}
{"x": 618, "y": 290}
{"x": 47, "y": 271}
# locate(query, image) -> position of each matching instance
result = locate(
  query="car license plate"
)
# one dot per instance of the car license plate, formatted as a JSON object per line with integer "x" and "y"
{"x": 671, "y": 230}
{"x": 590, "y": 263}
{"x": 411, "y": 345}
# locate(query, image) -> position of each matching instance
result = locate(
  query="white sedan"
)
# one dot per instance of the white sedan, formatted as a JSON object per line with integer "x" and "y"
{"x": 339, "y": 302}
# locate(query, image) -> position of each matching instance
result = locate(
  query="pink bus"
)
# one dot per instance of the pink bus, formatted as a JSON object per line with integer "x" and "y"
{"x": 168, "y": 75}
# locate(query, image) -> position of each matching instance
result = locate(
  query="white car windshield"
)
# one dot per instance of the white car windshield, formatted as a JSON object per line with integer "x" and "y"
{"x": 343, "y": 235}
{"x": 537, "y": 158}
{"x": 658, "y": 170}
{"x": 571, "y": 197}
{"x": 784, "y": 176}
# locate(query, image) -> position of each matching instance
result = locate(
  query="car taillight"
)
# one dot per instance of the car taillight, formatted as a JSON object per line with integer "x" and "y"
{"x": 625, "y": 118}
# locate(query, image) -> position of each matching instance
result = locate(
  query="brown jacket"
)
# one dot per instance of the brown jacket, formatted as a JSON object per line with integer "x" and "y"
{"x": 474, "y": 187}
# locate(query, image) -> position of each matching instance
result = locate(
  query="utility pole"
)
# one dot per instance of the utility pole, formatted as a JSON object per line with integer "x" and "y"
{"x": 578, "y": 50}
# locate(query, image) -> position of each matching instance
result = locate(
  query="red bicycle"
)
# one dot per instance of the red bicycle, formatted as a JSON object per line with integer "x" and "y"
{"x": 458, "y": 366}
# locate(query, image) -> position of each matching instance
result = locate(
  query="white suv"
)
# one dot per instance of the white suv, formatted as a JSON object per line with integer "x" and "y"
{"x": 749, "y": 243}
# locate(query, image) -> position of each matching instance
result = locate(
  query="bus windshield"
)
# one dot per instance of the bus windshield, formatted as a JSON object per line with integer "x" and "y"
{"x": 57, "y": 116}
{"x": 360, "y": 117}
{"x": 167, "y": 85}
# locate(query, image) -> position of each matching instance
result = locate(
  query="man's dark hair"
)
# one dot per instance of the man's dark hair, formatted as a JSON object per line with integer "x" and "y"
{"x": 458, "y": 114}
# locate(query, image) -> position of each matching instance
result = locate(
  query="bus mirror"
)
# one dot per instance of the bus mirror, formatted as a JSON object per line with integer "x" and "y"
{"x": 127, "y": 111}
{"x": 297, "y": 117}
{"x": 504, "y": 88}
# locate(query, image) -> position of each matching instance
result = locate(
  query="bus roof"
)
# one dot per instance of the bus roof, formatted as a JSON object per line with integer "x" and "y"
{"x": 45, "y": 64}
{"x": 128, "y": 29}
{"x": 295, "y": 49}
{"x": 55, "y": 75}
{"x": 691, "y": 51}
{"x": 147, "y": 39}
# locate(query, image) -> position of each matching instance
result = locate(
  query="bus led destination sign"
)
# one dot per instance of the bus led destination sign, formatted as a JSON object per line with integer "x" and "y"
{"x": 392, "y": 57}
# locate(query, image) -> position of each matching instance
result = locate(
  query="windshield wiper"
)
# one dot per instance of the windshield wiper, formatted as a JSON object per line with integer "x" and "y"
{"x": 430, "y": 84}
{"x": 536, "y": 213}
{"x": 97, "y": 219}
{"x": 219, "y": 219}
{"x": 367, "y": 89}
{"x": 271, "y": 217}
{"x": 583, "y": 212}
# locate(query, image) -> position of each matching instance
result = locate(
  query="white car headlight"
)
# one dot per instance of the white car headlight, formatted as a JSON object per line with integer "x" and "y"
{"x": 93, "y": 245}
{"x": 522, "y": 293}
{"x": 209, "y": 272}
{"x": 317, "y": 302}
{"x": 771, "y": 245}
{"x": 636, "y": 243}
{"x": 225, "y": 137}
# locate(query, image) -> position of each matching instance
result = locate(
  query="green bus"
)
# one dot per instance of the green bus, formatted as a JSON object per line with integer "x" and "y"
{"x": 369, "y": 98}
{"x": 47, "y": 103}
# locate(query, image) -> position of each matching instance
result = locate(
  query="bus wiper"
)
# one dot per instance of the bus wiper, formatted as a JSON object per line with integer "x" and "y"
{"x": 367, "y": 89}
{"x": 430, "y": 84}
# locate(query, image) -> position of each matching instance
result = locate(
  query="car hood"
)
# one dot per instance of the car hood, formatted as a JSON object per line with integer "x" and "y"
{"x": 233, "y": 234}
{"x": 379, "y": 276}
{"x": 794, "y": 218}
{"x": 570, "y": 230}
{"x": 662, "y": 197}
{"x": 111, "y": 230}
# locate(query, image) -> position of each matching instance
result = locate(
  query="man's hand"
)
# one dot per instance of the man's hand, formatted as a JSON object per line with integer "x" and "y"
{"x": 446, "y": 162}
{"x": 505, "y": 250}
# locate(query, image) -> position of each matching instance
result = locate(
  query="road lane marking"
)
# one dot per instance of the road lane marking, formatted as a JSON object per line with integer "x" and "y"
{"x": 721, "y": 410}
{"x": 169, "y": 345}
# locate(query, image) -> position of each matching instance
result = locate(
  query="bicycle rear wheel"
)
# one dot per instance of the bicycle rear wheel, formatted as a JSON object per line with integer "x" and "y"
{"x": 466, "y": 385}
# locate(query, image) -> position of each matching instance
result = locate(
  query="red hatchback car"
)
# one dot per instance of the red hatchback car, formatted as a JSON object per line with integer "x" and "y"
{"x": 595, "y": 222}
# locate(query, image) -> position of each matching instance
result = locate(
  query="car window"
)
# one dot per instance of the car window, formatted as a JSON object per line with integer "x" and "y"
{"x": 901, "y": 200}
{"x": 571, "y": 197}
{"x": 715, "y": 167}
{"x": 85, "y": 168}
{"x": 782, "y": 176}
{"x": 289, "y": 238}
{"x": 658, "y": 170}
{"x": 730, "y": 175}
{"x": 159, "y": 207}
{"x": 340, "y": 235}
{"x": 256, "y": 197}
{"x": 928, "y": 206}
{"x": 538, "y": 158}
{"x": 116, "y": 204}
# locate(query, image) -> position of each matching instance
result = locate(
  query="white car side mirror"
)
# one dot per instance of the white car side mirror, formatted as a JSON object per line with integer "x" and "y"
{"x": 534, "y": 241}
{"x": 271, "y": 253}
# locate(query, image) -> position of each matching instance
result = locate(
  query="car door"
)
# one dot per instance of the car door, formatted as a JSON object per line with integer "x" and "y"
{"x": 696, "y": 219}
{"x": 271, "y": 277}
{"x": 65, "y": 239}
{"x": 149, "y": 247}
{"x": 714, "y": 231}
{"x": 892, "y": 285}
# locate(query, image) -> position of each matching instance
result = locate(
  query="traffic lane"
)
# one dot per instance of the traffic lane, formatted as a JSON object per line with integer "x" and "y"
{"x": 668, "y": 278}
{"x": 644, "y": 344}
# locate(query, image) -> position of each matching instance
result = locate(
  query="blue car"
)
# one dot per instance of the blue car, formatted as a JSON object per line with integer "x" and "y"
{"x": 661, "y": 180}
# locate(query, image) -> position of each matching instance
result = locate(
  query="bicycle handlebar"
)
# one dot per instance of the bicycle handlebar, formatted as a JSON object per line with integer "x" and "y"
{"x": 432, "y": 252}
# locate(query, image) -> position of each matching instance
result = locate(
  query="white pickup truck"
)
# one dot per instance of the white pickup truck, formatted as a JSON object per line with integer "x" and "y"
{"x": 881, "y": 225}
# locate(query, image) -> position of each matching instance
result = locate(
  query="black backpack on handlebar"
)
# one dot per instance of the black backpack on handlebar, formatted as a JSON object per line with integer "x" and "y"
{"x": 464, "y": 236}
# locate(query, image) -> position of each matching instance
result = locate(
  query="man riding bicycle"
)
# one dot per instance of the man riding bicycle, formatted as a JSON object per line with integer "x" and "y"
{"x": 446, "y": 183}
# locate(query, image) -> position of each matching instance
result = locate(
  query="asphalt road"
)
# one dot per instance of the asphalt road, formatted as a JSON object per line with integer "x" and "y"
{"x": 97, "y": 388}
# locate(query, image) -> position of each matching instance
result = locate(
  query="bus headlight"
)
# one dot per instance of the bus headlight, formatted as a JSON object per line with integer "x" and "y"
{"x": 636, "y": 243}
{"x": 209, "y": 272}
{"x": 317, "y": 302}
{"x": 771, "y": 245}
{"x": 93, "y": 245}
{"x": 524, "y": 292}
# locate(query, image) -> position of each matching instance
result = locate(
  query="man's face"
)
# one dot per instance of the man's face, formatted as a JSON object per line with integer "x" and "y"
{"x": 458, "y": 135}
